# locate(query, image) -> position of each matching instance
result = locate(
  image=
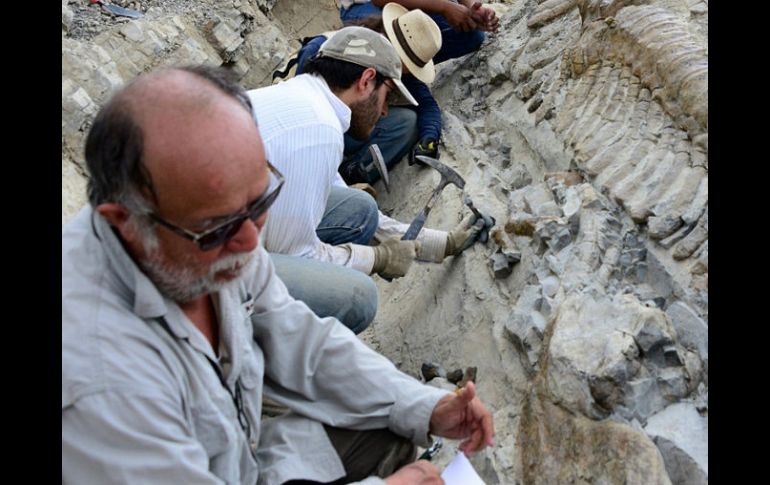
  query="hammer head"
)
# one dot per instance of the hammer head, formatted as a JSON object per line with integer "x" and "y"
{"x": 448, "y": 175}
{"x": 379, "y": 164}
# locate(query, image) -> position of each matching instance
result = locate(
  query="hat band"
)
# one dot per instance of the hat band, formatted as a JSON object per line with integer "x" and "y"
{"x": 405, "y": 45}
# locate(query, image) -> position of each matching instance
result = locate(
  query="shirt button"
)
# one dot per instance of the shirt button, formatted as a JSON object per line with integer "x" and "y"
{"x": 253, "y": 444}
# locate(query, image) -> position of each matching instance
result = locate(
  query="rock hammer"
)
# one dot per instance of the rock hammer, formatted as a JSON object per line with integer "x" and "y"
{"x": 448, "y": 176}
{"x": 378, "y": 163}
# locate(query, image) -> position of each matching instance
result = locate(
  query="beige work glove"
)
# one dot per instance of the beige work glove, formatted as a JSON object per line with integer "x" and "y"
{"x": 393, "y": 257}
{"x": 463, "y": 235}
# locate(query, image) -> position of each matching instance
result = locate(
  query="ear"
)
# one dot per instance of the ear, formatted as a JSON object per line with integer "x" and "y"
{"x": 117, "y": 216}
{"x": 368, "y": 75}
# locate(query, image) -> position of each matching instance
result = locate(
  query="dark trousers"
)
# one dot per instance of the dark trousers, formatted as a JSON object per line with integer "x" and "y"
{"x": 378, "y": 452}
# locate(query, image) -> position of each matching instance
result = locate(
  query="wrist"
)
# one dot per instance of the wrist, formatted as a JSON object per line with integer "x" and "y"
{"x": 444, "y": 8}
{"x": 379, "y": 259}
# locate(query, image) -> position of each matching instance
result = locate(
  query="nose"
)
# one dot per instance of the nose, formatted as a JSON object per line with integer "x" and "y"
{"x": 247, "y": 237}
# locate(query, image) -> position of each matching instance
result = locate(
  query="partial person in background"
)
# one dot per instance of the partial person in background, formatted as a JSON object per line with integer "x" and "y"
{"x": 462, "y": 25}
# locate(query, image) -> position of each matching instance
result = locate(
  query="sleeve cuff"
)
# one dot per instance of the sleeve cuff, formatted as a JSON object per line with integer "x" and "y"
{"x": 361, "y": 258}
{"x": 410, "y": 416}
{"x": 432, "y": 245}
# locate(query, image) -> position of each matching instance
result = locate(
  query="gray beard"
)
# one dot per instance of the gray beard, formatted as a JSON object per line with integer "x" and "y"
{"x": 181, "y": 285}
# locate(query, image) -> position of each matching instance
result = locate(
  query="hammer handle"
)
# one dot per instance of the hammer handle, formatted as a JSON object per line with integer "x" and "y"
{"x": 416, "y": 226}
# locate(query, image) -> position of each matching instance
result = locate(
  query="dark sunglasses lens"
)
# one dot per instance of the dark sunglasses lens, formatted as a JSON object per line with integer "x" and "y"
{"x": 221, "y": 235}
{"x": 263, "y": 205}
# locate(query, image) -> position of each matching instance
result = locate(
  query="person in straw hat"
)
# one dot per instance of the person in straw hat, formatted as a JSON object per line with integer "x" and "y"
{"x": 416, "y": 38}
{"x": 462, "y": 22}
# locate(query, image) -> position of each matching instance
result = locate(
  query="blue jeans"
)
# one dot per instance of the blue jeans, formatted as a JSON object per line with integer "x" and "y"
{"x": 395, "y": 134}
{"x": 328, "y": 289}
{"x": 453, "y": 42}
{"x": 351, "y": 216}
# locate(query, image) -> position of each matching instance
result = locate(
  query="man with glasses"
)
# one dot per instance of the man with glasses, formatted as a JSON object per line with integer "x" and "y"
{"x": 319, "y": 230}
{"x": 175, "y": 325}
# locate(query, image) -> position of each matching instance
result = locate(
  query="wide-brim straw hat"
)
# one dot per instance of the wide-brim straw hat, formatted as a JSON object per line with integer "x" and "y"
{"x": 416, "y": 38}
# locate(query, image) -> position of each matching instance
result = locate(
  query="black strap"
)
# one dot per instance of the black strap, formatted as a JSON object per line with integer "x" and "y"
{"x": 293, "y": 61}
{"x": 405, "y": 45}
{"x": 285, "y": 72}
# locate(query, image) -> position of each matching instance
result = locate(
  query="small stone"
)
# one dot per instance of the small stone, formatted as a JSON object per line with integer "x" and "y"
{"x": 499, "y": 264}
{"x": 550, "y": 286}
{"x": 454, "y": 376}
{"x": 691, "y": 330}
{"x": 671, "y": 356}
{"x": 661, "y": 227}
{"x": 676, "y": 236}
{"x": 430, "y": 371}
{"x": 469, "y": 376}
{"x": 502, "y": 264}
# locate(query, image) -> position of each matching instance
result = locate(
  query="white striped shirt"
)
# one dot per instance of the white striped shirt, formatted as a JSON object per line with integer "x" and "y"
{"x": 302, "y": 125}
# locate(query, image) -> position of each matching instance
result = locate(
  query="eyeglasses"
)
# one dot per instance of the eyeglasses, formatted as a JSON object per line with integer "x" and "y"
{"x": 222, "y": 233}
{"x": 393, "y": 94}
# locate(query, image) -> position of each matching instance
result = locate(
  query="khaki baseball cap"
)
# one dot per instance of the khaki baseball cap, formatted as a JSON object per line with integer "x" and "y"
{"x": 365, "y": 47}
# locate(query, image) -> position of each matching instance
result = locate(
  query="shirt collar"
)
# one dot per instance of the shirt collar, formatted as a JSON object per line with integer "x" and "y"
{"x": 148, "y": 301}
{"x": 340, "y": 109}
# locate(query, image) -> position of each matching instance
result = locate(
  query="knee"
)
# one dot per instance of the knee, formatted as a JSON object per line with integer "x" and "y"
{"x": 405, "y": 118}
{"x": 397, "y": 125}
{"x": 363, "y": 304}
{"x": 408, "y": 125}
{"x": 366, "y": 207}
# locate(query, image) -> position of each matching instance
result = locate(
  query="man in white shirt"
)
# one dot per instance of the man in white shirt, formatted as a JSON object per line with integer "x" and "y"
{"x": 175, "y": 325}
{"x": 319, "y": 218}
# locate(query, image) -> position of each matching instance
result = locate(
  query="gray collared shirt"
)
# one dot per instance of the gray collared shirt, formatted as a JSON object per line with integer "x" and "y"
{"x": 141, "y": 399}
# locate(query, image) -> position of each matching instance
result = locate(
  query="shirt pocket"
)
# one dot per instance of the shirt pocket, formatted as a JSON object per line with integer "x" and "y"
{"x": 253, "y": 366}
{"x": 213, "y": 431}
{"x": 251, "y": 379}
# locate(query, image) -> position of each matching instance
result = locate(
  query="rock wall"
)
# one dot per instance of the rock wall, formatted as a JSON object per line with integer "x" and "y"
{"x": 582, "y": 127}
{"x": 101, "y": 52}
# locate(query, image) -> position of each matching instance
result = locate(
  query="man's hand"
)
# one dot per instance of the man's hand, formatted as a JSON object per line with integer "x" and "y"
{"x": 392, "y": 258}
{"x": 485, "y": 17}
{"x": 418, "y": 473}
{"x": 463, "y": 235}
{"x": 462, "y": 415}
{"x": 459, "y": 16}
{"x": 427, "y": 147}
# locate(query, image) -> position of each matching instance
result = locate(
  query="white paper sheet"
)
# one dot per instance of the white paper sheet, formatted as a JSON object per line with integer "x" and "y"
{"x": 460, "y": 472}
